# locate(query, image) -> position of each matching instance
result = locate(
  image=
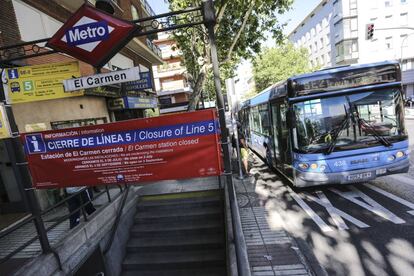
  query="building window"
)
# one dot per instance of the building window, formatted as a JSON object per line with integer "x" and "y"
{"x": 327, "y": 39}
{"x": 346, "y": 49}
{"x": 388, "y": 42}
{"x": 134, "y": 13}
{"x": 404, "y": 18}
{"x": 388, "y": 3}
{"x": 403, "y": 1}
{"x": 321, "y": 44}
{"x": 336, "y": 8}
{"x": 316, "y": 46}
{"x": 318, "y": 28}
{"x": 353, "y": 7}
{"x": 407, "y": 64}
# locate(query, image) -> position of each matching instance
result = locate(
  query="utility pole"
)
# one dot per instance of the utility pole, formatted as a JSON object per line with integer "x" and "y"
{"x": 209, "y": 21}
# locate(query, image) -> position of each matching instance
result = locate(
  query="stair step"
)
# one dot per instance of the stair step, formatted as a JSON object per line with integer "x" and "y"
{"x": 179, "y": 204}
{"x": 174, "y": 215}
{"x": 174, "y": 260}
{"x": 177, "y": 228}
{"x": 212, "y": 271}
{"x": 179, "y": 243}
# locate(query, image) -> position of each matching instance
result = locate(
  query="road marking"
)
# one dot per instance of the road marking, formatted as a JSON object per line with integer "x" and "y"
{"x": 334, "y": 212}
{"x": 317, "y": 219}
{"x": 402, "y": 178}
{"x": 393, "y": 197}
{"x": 369, "y": 204}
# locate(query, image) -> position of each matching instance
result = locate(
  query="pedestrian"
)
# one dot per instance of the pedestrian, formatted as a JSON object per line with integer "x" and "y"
{"x": 75, "y": 202}
{"x": 244, "y": 149}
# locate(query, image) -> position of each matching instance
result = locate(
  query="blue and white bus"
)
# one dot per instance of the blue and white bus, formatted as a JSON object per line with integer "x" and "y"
{"x": 335, "y": 126}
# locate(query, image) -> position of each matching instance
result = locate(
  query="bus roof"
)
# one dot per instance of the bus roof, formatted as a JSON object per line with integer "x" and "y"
{"x": 262, "y": 97}
{"x": 343, "y": 69}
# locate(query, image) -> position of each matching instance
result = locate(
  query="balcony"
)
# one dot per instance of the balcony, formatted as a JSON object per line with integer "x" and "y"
{"x": 167, "y": 54}
{"x": 173, "y": 107}
{"x": 166, "y": 92}
{"x": 154, "y": 48}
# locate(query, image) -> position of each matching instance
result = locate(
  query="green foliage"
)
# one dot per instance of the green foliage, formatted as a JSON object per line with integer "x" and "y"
{"x": 278, "y": 64}
{"x": 240, "y": 31}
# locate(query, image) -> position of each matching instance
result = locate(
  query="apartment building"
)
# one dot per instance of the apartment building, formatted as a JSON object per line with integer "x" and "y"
{"x": 171, "y": 83}
{"x": 28, "y": 20}
{"x": 335, "y": 34}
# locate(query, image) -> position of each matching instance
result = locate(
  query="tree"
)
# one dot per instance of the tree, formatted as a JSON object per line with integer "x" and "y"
{"x": 240, "y": 29}
{"x": 280, "y": 63}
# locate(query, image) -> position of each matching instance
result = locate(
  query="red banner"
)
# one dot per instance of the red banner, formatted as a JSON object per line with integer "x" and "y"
{"x": 166, "y": 147}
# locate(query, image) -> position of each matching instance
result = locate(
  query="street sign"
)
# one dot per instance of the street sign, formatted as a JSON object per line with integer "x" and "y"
{"x": 102, "y": 79}
{"x": 92, "y": 36}
{"x": 132, "y": 103}
{"x": 144, "y": 82}
{"x": 39, "y": 82}
{"x": 133, "y": 151}
{"x": 5, "y": 131}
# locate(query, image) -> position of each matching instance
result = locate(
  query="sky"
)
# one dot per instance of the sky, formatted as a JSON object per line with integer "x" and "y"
{"x": 300, "y": 9}
{"x": 159, "y": 6}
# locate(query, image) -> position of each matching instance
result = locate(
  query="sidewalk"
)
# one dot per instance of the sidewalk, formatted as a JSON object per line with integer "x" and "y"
{"x": 271, "y": 250}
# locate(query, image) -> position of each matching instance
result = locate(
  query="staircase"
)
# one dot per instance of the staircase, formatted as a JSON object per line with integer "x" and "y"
{"x": 177, "y": 234}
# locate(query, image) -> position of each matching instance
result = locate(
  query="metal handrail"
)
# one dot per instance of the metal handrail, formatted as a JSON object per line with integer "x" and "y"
{"x": 243, "y": 265}
{"x": 61, "y": 219}
{"x": 117, "y": 219}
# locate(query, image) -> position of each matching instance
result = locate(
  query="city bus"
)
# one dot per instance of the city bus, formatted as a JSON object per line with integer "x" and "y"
{"x": 335, "y": 126}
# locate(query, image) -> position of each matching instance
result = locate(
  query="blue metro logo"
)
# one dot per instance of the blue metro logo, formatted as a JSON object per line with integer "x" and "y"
{"x": 87, "y": 33}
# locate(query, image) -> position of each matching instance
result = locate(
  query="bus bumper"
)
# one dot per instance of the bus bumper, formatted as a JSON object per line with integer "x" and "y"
{"x": 306, "y": 179}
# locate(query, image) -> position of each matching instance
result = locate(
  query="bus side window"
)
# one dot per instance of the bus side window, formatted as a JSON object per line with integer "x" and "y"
{"x": 276, "y": 121}
{"x": 284, "y": 135}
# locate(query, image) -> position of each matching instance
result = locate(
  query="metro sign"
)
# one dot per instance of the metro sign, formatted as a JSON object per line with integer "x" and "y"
{"x": 92, "y": 36}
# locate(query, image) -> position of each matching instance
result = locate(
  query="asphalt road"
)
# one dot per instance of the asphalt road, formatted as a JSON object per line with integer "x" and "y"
{"x": 361, "y": 229}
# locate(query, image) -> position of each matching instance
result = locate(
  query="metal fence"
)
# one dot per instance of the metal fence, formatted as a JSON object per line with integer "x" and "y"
{"x": 22, "y": 240}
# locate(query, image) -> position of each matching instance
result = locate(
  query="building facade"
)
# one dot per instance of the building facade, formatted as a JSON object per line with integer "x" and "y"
{"x": 28, "y": 20}
{"x": 335, "y": 34}
{"x": 171, "y": 83}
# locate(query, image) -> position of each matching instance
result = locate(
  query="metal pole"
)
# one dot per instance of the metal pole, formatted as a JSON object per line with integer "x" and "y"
{"x": 23, "y": 177}
{"x": 236, "y": 136}
{"x": 209, "y": 21}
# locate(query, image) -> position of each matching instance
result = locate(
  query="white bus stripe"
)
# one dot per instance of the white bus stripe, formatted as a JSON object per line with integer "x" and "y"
{"x": 335, "y": 213}
{"x": 393, "y": 197}
{"x": 369, "y": 204}
{"x": 317, "y": 219}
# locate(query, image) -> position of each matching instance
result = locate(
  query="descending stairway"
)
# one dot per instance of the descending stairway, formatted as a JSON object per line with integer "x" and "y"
{"x": 177, "y": 234}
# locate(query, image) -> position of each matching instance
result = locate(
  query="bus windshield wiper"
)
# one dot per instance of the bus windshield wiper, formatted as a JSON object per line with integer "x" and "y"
{"x": 364, "y": 123}
{"x": 336, "y": 132}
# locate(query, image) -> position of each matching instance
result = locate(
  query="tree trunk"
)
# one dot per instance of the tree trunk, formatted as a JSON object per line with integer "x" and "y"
{"x": 198, "y": 87}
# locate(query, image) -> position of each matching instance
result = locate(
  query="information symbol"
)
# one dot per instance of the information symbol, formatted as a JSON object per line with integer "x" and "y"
{"x": 13, "y": 73}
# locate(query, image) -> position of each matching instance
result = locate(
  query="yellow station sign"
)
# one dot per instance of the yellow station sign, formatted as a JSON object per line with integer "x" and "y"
{"x": 40, "y": 82}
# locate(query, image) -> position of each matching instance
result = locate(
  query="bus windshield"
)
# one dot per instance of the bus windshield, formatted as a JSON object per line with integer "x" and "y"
{"x": 321, "y": 123}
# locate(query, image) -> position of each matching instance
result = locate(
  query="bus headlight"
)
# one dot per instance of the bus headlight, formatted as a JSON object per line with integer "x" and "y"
{"x": 399, "y": 154}
{"x": 391, "y": 158}
{"x": 303, "y": 166}
{"x": 314, "y": 166}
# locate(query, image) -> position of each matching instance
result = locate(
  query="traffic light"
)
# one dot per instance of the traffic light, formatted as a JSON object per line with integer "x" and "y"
{"x": 369, "y": 31}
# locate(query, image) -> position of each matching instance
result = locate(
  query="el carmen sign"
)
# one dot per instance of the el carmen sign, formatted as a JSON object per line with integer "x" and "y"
{"x": 92, "y": 36}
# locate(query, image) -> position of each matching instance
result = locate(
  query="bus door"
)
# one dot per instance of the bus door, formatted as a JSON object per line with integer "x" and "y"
{"x": 281, "y": 138}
